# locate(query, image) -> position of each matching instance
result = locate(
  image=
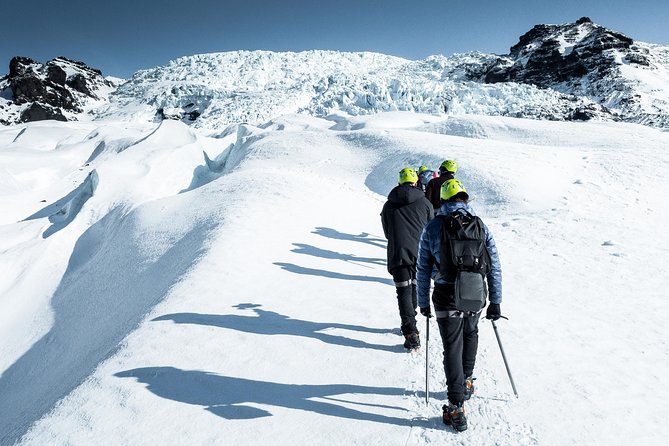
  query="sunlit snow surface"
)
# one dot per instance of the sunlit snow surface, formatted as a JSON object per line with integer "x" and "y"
{"x": 168, "y": 285}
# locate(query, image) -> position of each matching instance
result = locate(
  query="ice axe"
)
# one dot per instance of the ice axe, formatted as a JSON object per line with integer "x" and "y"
{"x": 427, "y": 359}
{"x": 506, "y": 363}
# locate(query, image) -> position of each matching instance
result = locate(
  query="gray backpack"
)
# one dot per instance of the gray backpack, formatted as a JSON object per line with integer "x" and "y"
{"x": 464, "y": 259}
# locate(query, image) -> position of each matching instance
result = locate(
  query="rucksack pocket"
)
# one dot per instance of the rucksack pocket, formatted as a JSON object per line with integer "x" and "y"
{"x": 470, "y": 291}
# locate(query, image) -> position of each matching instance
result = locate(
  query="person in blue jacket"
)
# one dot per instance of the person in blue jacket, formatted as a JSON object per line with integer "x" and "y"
{"x": 458, "y": 329}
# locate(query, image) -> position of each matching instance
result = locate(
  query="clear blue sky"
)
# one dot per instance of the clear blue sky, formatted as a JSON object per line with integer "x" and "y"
{"x": 122, "y": 36}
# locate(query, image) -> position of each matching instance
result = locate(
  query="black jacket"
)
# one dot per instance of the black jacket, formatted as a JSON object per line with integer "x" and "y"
{"x": 404, "y": 216}
{"x": 433, "y": 189}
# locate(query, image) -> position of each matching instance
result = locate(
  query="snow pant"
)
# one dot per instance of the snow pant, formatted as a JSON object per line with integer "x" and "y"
{"x": 460, "y": 337}
{"x": 405, "y": 285}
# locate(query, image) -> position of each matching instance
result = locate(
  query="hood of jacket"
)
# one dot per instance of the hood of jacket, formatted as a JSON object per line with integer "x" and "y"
{"x": 405, "y": 194}
{"x": 449, "y": 207}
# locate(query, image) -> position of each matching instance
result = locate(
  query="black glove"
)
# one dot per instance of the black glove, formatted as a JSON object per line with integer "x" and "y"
{"x": 426, "y": 312}
{"x": 493, "y": 312}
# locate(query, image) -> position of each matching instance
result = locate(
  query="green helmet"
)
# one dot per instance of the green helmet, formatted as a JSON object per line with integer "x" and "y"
{"x": 451, "y": 188}
{"x": 422, "y": 169}
{"x": 408, "y": 175}
{"x": 449, "y": 166}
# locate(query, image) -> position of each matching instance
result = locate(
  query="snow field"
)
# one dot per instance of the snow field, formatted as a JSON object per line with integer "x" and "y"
{"x": 247, "y": 301}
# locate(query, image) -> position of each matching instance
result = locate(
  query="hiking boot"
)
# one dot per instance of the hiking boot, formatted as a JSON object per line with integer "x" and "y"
{"x": 469, "y": 387}
{"x": 454, "y": 415}
{"x": 412, "y": 341}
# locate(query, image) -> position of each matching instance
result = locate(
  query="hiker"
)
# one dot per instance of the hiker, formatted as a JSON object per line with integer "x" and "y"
{"x": 424, "y": 177}
{"x": 433, "y": 190}
{"x": 443, "y": 257}
{"x": 403, "y": 217}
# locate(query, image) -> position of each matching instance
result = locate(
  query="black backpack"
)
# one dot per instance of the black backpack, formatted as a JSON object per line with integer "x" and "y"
{"x": 464, "y": 259}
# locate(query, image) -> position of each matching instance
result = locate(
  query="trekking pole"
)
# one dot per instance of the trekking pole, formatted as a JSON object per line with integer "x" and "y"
{"x": 427, "y": 359}
{"x": 506, "y": 364}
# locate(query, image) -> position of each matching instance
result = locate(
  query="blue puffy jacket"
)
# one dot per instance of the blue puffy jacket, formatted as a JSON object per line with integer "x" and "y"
{"x": 428, "y": 257}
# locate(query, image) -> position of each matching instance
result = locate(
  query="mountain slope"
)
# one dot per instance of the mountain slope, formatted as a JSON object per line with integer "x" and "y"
{"x": 574, "y": 71}
{"x": 588, "y": 60}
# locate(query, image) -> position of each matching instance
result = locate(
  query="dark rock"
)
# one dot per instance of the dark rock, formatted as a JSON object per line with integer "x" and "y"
{"x": 39, "y": 112}
{"x": 56, "y": 74}
{"x": 31, "y": 88}
{"x": 537, "y": 32}
{"x": 79, "y": 83}
{"x": 60, "y": 84}
{"x": 551, "y": 54}
{"x": 193, "y": 115}
{"x": 19, "y": 66}
{"x": 27, "y": 88}
{"x": 581, "y": 115}
{"x": 636, "y": 58}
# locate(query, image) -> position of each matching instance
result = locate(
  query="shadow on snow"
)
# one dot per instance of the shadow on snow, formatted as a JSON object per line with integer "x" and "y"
{"x": 301, "y": 248}
{"x": 228, "y": 397}
{"x": 107, "y": 289}
{"x": 330, "y": 274}
{"x": 272, "y": 323}
{"x": 363, "y": 237}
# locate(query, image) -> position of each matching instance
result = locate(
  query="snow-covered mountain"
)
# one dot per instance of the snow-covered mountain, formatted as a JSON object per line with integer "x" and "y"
{"x": 583, "y": 59}
{"x": 205, "y": 280}
{"x": 574, "y": 71}
{"x": 558, "y": 72}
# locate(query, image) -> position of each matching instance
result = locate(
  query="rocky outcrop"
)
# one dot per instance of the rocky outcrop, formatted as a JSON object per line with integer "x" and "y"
{"x": 52, "y": 89}
{"x": 585, "y": 60}
{"x": 39, "y": 112}
{"x": 552, "y": 54}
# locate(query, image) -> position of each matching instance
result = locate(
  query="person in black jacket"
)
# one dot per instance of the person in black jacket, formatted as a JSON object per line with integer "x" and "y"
{"x": 404, "y": 216}
{"x": 433, "y": 190}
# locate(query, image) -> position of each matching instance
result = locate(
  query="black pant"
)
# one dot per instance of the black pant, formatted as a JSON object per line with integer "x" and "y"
{"x": 405, "y": 285}
{"x": 460, "y": 337}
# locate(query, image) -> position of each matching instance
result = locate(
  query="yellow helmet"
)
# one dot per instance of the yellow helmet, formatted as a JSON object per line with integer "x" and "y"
{"x": 408, "y": 175}
{"x": 422, "y": 169}
{"x": 449, "y": 166}
{"x": 451, "y": 188}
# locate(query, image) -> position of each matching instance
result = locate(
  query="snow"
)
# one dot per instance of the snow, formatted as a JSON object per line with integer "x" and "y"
{"x": 255, "y": 86}
{"x": 180, "y": 285}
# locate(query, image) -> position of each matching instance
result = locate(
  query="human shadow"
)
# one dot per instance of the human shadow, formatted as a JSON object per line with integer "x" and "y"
{"x": 272, "y": 323}
{"x": 301, "y": 248}
{"x": 330, "y": 274}
{"x": 110, "y": 284}
{"x": 228, "y": 397}
{"x": 363, "y": 237}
